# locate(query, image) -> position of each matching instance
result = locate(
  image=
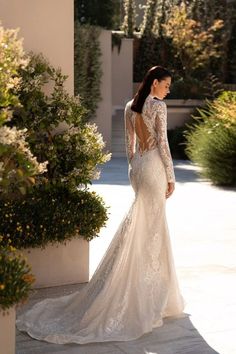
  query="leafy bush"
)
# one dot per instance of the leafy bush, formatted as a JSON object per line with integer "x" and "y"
{"x": 211, "y": 142}
{"x": 57, "y": 129}
{"x": 54, "y": 210}
{"x": 11, "y": 59}
{"x": 15, "y": 277}
{"x": 51, "y": 215}
{"x": 18, "y": 166}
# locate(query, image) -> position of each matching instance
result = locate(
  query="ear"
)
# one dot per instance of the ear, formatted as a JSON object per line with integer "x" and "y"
{"x": 155, "y": 82}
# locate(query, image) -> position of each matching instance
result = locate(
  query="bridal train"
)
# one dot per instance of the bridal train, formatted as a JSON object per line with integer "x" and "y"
{"x": 135, "y": 285}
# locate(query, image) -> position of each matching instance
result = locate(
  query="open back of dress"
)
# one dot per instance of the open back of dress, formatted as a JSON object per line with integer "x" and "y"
{"x": 147, "y": 131}
{"x": 145, "y": 140}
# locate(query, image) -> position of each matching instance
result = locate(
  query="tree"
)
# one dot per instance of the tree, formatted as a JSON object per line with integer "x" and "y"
{"x": 207, "y": 12}
{"x": 194, "y": 45}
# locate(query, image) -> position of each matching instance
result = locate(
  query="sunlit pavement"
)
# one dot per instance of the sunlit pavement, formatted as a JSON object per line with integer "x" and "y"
{"x": 202, "y": 225}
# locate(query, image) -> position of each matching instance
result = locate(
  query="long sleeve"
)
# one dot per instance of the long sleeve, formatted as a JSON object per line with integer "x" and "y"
{"x": 161, "y": 129}
{"x": 130, "y": 136}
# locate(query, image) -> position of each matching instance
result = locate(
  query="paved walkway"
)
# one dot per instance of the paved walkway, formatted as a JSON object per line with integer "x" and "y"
{"x": 202, "y": 227}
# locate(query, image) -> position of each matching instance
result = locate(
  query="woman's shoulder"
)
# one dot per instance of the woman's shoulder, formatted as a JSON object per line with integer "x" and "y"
{"x": 128, "y": 104}
{"x": 155, "y": 104}
{"x": 158, "y": 102}
{"x": 128, "y": 107}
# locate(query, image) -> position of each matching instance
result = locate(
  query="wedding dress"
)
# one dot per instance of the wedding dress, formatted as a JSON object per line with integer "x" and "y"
{"x": 135, "y": 285}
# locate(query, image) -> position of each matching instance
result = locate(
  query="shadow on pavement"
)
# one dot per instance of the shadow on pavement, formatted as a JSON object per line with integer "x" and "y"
{"x": 176, "y": 336}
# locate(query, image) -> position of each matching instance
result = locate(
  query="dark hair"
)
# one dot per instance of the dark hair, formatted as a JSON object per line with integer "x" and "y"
{"x": 156, "y": 72}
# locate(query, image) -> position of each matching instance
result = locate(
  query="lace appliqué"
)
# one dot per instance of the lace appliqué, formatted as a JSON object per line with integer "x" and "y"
{"x": 130, "y": 137}
{"x": 101, "y": 277}
{"x": 160, "y": 113}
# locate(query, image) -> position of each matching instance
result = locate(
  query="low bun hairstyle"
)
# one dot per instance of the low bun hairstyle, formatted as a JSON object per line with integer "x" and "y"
{"x": 156, "y": 72}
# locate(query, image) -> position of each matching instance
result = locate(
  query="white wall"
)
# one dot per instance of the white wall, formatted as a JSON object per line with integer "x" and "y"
{"x": 48, "y": 27}
{"x": 122, "y": 74}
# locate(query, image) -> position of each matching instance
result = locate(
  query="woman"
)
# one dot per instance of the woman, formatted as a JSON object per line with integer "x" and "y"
{"x": 135, "y": 285}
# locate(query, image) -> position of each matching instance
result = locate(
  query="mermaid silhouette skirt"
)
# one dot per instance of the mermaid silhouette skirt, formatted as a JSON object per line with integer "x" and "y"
{"x": 135, "y": 285}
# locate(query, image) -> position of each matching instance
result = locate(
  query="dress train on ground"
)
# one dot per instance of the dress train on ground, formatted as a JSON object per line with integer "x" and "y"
{"x": 135, "y": 285}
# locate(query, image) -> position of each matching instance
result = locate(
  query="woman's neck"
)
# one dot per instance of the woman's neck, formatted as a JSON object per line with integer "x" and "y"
{"x": 153, "y": 94}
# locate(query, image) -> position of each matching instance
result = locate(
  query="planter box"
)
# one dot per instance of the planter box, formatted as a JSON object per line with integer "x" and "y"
{"x": 59, "y": 264}
{"x": 8, "y": 332}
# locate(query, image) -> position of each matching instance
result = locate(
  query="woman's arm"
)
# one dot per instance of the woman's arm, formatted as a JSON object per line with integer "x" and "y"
{"x": 161, "y": 130}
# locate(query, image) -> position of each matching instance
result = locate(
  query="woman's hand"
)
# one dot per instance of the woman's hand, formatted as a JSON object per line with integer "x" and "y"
{"x": 170, "y": 189}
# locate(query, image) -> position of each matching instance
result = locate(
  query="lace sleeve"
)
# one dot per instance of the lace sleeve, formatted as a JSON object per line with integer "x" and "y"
{"x": 130, "y": 137}
{"x": 161, "y": 129}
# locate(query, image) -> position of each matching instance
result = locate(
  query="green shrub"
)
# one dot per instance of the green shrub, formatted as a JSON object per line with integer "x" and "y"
{"x": 18, "y": 166}
{"x": 12, "y": 57}
{"x": 211, "y": 142}
{"x": 53, "y": 209}
{"x": 15, "y": 277}
{"x": 51, "y": 215}
{"x": 57, "y": 131}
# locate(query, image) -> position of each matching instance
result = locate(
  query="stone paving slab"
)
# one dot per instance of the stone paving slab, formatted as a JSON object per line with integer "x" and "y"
{"x": 202, "y": 224}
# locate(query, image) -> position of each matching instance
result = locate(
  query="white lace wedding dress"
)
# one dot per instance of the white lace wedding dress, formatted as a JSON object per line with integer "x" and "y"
{"x": 135, "y": 285}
